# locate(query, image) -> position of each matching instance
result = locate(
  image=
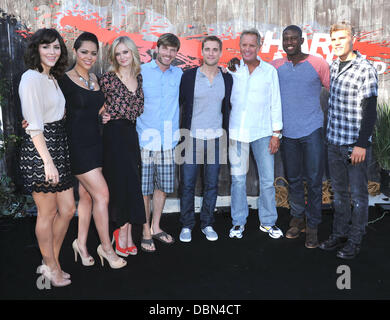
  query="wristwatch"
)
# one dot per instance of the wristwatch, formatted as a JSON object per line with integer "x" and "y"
{"x": 277, "y": 134}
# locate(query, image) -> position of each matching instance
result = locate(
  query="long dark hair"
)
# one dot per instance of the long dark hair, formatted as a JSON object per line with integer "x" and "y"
{"x": 32, "y": 58}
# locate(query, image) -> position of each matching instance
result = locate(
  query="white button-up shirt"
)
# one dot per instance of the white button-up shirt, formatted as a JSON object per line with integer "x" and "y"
{"x": 256, "y": 104}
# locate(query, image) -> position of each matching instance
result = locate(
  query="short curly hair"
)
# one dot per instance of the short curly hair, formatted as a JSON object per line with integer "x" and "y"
{"x": 32, "y": 57}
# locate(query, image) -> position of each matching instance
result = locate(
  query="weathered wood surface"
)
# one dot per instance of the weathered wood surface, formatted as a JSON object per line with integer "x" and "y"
{"x": 144, "y": 20}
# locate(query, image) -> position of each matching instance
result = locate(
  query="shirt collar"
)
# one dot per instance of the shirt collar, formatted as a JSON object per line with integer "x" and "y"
{"x": 355, "y": 60}
{"x": 155, "y": 65}
{"x": 199, "y": 72}
{"x": 242, "y": 64}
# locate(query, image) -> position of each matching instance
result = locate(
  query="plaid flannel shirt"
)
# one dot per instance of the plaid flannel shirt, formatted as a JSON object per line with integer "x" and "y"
{"x": 356, "y": 81}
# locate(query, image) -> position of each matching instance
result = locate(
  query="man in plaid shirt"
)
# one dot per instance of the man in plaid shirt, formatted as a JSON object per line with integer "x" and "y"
{"x": 351, "y": 119}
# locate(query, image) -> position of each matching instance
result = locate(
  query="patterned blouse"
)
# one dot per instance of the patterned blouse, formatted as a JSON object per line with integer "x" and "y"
{"x": 120, "y": 102}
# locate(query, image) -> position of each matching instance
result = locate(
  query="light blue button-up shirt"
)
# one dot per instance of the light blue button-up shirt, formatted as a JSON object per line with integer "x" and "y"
{"x": 158, "y": 126}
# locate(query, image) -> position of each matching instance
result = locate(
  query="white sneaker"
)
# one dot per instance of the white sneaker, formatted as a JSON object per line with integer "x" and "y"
{"x": 236, "y": 232}
{"x": 273, "y": 232}
{"x": 211, "y": 235}
{"x": 185, "y": 235}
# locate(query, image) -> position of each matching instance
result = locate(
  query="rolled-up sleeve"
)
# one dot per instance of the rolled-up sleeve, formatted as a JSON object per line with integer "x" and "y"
{"x": 32, "y": 102}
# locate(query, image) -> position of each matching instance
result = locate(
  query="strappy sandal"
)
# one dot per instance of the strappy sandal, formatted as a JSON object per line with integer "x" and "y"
{"x": 148, "y": 242}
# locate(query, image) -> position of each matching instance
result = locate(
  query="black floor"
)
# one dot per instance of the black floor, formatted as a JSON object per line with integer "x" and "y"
{"x": 255, "y": 267}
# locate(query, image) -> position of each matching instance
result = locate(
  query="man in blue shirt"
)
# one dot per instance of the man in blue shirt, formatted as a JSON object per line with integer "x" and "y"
{"x": 301, "y": 78}
{"x": 158, "y": 130}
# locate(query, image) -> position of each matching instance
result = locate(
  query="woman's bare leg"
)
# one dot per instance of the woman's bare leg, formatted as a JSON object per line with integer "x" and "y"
{"x": 47, "y": 210}
{"x": 66, "y": 209}
{"x": 54, "y": 214}
{"x": 130, "y": 242}
{"x": 123, "y": 235}
{"x": 94, "y": 182}
{"x": 84, "y": 210}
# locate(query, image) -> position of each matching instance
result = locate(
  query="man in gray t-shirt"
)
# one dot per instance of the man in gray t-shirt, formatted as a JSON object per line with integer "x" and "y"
{"x": 205, "y": 105}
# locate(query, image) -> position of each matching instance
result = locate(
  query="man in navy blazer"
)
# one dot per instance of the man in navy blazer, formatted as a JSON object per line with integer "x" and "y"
{"x": 205, "y": 108}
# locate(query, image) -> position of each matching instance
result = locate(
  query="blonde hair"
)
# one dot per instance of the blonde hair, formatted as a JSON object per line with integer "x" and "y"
{"x": 135, "y": 64}
{"x": 343, "y": 25}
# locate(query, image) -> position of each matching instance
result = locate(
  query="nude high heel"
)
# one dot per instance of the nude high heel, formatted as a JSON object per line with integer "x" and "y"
{"x": 65, "y": 275}
{"x": 52, "y": 277}
{"x": 114, "y": 264}
{"x": 88, "y": 261}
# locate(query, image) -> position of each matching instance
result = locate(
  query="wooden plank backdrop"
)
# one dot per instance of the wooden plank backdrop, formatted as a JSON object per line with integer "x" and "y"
{"x": 145, "y": 20}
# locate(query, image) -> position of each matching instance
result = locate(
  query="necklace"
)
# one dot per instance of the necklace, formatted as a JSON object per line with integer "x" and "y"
{"x": 88, "y": 83}
{"x": 123, "y": 78}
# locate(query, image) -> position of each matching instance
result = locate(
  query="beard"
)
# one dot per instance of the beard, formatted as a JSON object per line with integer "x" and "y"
{"x": 159, "y": 58}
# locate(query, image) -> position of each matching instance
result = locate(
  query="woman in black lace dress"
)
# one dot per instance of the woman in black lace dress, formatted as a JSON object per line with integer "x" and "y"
{"x": 44, "y": 159}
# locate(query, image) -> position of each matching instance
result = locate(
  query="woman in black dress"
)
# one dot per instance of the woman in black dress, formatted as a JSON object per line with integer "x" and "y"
{"x": 84, "y": 99}
{"x": 122, "y": 87}
{"x": 44, "y": 159}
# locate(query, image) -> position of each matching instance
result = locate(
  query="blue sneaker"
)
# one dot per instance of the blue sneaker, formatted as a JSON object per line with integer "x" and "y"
{"x": 211, "y": 235}
{"x": 185, "y": 235}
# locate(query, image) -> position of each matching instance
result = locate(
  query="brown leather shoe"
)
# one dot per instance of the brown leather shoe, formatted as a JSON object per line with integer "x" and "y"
{"x": 297, "y": 225}
{"x": 311, "y": 238}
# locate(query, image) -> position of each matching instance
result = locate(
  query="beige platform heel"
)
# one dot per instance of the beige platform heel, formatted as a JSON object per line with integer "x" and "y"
{"x": 88, "y": 261}
{"x": 114, "y": 264}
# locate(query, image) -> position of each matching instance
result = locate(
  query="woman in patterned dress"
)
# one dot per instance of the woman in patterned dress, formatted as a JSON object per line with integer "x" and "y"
{"x": 122, "y": 87}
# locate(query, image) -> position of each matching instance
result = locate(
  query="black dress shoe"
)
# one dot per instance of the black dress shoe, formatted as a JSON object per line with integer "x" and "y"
{"x": 332, "y": 243}
{"x": 349, "y": 251}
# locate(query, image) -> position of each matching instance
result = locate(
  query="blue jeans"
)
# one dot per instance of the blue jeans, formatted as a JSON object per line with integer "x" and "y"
{"x": 204, "y": 152}
{"x": 304, "y": 158}
{"x": 239, "y": 160}
{"x": 349, "y": 185}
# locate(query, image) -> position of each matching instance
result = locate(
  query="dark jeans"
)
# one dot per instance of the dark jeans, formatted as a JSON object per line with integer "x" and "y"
{"x": 349, "y": 185}
{"x": 204, "y": 152}
{"x": 303, "y": 158}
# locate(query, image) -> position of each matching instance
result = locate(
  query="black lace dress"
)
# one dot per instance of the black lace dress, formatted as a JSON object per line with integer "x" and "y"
{"x": 43, "y": 107}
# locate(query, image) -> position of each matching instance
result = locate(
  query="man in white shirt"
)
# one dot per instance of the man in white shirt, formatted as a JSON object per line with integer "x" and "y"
{"x": 256, "y": 123}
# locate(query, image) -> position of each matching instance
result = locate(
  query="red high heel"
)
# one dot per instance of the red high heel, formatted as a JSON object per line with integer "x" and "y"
{"x": 132, "y": 250}
{"x": 119, "y": 251}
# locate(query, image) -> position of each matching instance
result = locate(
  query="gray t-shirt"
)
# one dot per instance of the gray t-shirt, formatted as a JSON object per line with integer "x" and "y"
{"x": 207, "y": 115}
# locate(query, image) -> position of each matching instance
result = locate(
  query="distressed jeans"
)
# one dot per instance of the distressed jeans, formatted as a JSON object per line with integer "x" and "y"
{"x": 349, "y": 185}
{"x": 239, "y": 161}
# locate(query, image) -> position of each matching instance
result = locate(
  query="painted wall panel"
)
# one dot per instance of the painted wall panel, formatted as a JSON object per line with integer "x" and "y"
{"x": 145, "y": 20}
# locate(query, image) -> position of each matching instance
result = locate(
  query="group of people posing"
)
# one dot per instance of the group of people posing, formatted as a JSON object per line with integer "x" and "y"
{"x": 125, "y": 174}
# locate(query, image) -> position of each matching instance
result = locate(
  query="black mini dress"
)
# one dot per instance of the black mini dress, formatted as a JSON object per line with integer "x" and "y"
{"x": 82, "y": 126}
